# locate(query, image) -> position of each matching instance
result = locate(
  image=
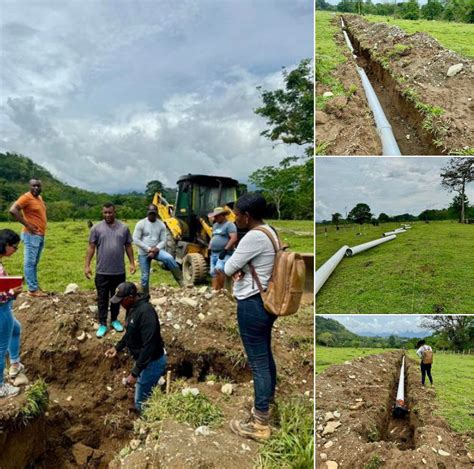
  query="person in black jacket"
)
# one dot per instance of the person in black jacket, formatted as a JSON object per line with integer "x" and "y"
{"x": 143, "y": 339}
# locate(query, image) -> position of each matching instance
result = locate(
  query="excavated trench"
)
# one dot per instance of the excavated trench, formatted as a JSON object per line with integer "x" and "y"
{"x": 397, "y": 430}
{"x": 405, "y": 120}
{"x": 89, "y": 420}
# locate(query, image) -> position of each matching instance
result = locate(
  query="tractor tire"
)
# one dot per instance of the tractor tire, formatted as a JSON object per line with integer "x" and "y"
{"x": 194, "y": 268}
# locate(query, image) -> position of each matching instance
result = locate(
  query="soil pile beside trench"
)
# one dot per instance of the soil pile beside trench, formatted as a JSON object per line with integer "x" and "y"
{"x": 90, "y": 417}
{"x": 356, "y": 429}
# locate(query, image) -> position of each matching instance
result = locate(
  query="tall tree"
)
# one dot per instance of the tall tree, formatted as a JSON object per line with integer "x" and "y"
{"x": 336, "y": 218}
{"x": 457, "y": 205}
{"x": 455, "y": 176}
{"x": 458, "y": 329}
{"x": 360, "y": 214}
{"x": 289, "y": 111}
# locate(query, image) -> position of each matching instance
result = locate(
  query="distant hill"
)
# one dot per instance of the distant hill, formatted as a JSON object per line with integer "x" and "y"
{"x": 63, "y": 201}
{"x": 331, "y": 333}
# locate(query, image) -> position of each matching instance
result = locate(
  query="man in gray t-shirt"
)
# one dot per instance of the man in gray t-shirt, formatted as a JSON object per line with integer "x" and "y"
{"x": 111, "y": 239}
{"x": 223, "y": 241}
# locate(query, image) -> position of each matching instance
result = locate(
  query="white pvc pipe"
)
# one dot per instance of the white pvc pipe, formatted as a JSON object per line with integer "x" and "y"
{"x": 389, "y": 144}
{"x": 400, "y": 409}
{"x": 394, "y": 232}
{"x": 363, "y": 247}
{"x": 323, "y": 273}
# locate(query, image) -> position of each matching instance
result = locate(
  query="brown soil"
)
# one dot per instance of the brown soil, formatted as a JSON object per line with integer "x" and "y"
{"x": 420, "y": 66}
{"x": 363, "y": 392}
{"x": 348, "y": 129}
{"x": 90, "y": 416}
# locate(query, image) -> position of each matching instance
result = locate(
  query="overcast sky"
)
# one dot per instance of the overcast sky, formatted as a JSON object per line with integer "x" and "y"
{"x": 382, "y": 324}
{"x": 108, "y": 95}
{"x": 393, "y": 185}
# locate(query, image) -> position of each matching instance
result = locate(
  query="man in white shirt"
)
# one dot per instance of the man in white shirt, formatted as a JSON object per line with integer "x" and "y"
{"x": 425, "y": 352}
{"x": 150, "y": 238}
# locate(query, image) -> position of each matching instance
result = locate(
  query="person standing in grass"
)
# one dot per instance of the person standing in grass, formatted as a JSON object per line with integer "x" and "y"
{"x": 10, "y": 328}
{"x": 255, "y": 323}
{"x": 143, "y": 339}
{"x": 223, "y": 241}
{"x": 111, "y": 239}
{"x": 30, "y": 211}
{"x": 425, "y": 352}
{"x": 150, "y": 238}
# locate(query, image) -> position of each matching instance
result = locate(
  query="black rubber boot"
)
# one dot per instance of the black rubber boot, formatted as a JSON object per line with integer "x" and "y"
{"x": 178, "y": 275}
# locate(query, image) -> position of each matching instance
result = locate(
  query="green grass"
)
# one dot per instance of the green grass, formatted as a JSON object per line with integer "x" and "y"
{"x": 193, "y": 410}
{"x": 62, "y": 261}
{"x": 454, "y": 36}
{"x": 427, "y": 269}
{"x": 327, "y": 356}
{"x": 36, "y": 401}
{"x": 328, "y": 56}
{"x": 453, "y": 376}
{"x": 291, "y": 445}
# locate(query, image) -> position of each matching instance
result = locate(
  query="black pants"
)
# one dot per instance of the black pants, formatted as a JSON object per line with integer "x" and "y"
{"x": 106, "y": 285}
{"x": 426, "y": 370}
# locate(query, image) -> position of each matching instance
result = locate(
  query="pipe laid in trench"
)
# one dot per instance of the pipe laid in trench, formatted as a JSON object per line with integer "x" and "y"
{"x": 389, "y": 144}
{"x": 363, "y": 247}
{"x": 400, "y": 409}
{"x": 324, "y": 272}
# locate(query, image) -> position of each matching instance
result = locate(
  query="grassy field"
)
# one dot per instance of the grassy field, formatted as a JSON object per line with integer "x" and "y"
{"x": 328, "y": 55}
{"x": 66, "y": 242}
{"x": 427, "y": 269}
{"x": 454, "y": 36}
{"x": 453, "y": 376}
{"x": 327, "y": 356}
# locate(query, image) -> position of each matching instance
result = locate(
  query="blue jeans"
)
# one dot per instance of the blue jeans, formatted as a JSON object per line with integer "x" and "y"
{"x": 10, "y": 332}
{"x": 217, "y": 264}
{"x": 145, "y": 264}
{"x": 148, "y": 379}
{"x": 33, "y": 247}
{"x": 255, "y": 326}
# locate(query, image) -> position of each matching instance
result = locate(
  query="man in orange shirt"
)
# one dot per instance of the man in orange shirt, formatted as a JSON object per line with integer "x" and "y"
{"x": 30, "y": 211}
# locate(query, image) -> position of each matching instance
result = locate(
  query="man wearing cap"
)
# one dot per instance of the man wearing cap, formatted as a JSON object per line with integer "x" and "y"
{"x": 30, "y": 211}
{"x": 111, "y": 239}
{"x": 143, "y": 339}
{"x": 150, "y": 238}
{"x": 223, "y": 241}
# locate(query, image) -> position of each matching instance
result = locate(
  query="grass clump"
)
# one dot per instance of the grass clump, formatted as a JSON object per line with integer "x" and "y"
{"x": 321, "y": 148}
{"x": 194, "y": 410}
{"x": 374, "y": 463}
{"x": 36, "y": 401}
{"x": 292, "y": 444}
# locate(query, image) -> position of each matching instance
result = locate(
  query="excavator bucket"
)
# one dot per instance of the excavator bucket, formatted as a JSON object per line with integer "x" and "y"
{"x": 308, "y": 295}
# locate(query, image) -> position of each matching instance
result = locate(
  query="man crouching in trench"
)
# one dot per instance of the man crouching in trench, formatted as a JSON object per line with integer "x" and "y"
{"x": 143, "y": 339}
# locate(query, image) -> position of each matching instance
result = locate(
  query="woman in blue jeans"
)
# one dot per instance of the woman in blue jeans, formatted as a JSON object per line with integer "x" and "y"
{"x": 10, "y": 328}
{"x": 255, "y": 323}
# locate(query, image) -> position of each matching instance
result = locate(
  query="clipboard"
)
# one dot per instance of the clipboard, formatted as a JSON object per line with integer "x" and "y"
{"x": 9, "y": 283}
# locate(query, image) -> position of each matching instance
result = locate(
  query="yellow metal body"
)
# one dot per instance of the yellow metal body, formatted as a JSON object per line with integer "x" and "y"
{"x": 165, "y": 212}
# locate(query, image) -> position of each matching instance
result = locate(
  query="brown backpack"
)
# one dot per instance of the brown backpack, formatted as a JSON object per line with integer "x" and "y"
{"x": 286, "y": 285}
{"x": 427, "y": 357}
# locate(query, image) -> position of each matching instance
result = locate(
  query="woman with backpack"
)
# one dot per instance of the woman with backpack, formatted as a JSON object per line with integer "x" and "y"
{"x": 425, "y": 352}
{"x": 255, "y": 251}
{"x": 10, "y": 328}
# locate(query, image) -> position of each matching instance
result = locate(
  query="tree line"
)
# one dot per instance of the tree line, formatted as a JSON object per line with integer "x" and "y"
{"x": 461, "y": 11}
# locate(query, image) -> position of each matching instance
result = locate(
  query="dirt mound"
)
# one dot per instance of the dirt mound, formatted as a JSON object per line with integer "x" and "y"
{"x": 90, "y": 417}
{"x": 410, "y": 76}
{"x": 347, "y": 129}
{"x": 355, "y": 426}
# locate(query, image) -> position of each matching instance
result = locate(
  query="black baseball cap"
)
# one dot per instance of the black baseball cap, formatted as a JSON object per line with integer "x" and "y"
{"x": 123, "y": 290}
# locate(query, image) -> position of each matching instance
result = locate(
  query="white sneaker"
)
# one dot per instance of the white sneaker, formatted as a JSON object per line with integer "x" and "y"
{"x": 16, "y": 370}
{"x": 7, "y": 390}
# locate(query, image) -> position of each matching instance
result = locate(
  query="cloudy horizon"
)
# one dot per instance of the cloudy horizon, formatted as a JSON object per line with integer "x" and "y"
{"x": 393, "y": 185}
{"x": 382, "y": 324}
{"x": 110, "y": 98}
